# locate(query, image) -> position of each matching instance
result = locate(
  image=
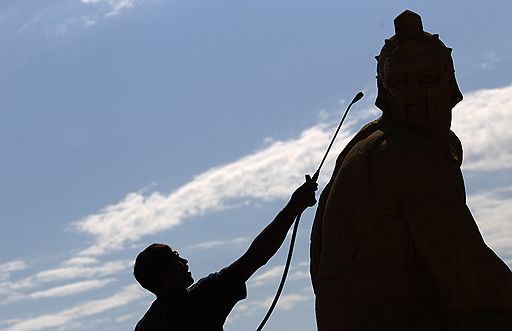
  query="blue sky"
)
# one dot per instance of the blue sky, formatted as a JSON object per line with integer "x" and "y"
{"x": 127, "y": 122}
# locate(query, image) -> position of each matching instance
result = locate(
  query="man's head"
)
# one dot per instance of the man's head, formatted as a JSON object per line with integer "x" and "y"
{"x": 415, "y": 76}
{"x": 160, "y": 269}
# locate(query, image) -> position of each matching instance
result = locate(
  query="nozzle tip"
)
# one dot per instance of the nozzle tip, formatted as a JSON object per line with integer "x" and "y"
{"x": 358, "y": 97}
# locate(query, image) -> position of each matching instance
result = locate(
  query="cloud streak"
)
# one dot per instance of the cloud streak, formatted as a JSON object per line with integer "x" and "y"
{"x": 286, "y": 302}
{"x": 60, "y": 291}
{"x": 80, "y": 271}
{"x": 269, "y": 174}
{"x": 265, "y": 175}
{"x": 493, "y": 212}
{"x": 70, "y": 289}
{"x": 58, "y": 19}
{"x": 297, "y": 271}
{"x": 115, "y": 7}
{"x": 482, "y": 121}
{"x": 219, "y": 243}
{"x": 8, "y": 267}
{"x": 90, "y": 308}
{"x": 15, "y": 291}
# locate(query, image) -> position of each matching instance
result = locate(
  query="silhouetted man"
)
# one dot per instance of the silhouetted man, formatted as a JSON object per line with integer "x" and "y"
{"x": 205, "y": 305}
{"x": 394, "y": 245}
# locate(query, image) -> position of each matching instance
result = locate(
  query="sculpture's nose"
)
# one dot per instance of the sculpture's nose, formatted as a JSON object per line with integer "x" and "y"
{"x": 416, "y": 92}
{"x": 413, "y": 85}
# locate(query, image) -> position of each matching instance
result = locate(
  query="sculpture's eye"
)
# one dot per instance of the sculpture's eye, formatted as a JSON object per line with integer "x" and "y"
{"x": 398, "y": 80}
{"x": 428, "y": 79}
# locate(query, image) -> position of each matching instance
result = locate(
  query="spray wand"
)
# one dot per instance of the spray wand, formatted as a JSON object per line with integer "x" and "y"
{"x": 297, "y": 219}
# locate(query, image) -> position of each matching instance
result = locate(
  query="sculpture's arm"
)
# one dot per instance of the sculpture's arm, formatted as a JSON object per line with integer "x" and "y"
{"x": 317, "y": 229}
{"x": 316, "y": 236}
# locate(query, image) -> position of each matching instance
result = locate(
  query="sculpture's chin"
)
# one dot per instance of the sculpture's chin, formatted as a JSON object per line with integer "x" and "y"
{"x": 417, "y": 110}
{"x": 419, "y": 117}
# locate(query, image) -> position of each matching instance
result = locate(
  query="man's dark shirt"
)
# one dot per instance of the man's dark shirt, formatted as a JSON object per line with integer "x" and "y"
{"x": 202, "y": 307}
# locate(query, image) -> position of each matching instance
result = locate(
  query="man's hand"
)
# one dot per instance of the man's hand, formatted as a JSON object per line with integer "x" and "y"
{"x": 266, "y": 244}
{"x": 303, "y": 197}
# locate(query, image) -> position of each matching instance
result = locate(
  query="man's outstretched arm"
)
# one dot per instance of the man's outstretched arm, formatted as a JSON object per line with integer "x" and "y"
{"x": 266, "y": 244}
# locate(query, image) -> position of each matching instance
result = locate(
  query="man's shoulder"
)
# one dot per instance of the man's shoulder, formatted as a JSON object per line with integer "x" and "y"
{"x": 167, "y": 312}
{"x": 151, "y": 319}
{"x": 224, "y": 277}
{"x": 212, "y": 298}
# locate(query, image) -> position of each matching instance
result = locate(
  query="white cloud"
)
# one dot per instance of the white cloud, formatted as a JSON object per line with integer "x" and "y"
{"x": 493, "y": 212}
{"x": 482, "y": 121}
{"x": 63, "y": 27}
{"x": 59, "y": 291}
{"x": 269, "y": 174}
{"x": 90, "y": 308}
{"x": 34, "y": 21}
{"x": 10, "y": 289}
{"x": 125, "y": 317}
{"x": 80, "y": 261}
{"x": 80, "y": 271}
{"x": 7, "y": 287}
{"x": 57, "y": 19}
{"x": 219, "y": 243}
{"x": 289, "y": 301}
{"x": 10, "y": 321}
{"x": 114, "y": 6}
{"x": 88, "y": 20}
{"x": 286, "y": 302}
{"x": 15, "y": 265}
{"x": 14, "y": 291}
{"x": 130, "y": 294}
{"x": 272, "y": 173}
{"x": 297, "y": 271}
{"x": 70, "y": 289}
{"x": 490, "y": 62}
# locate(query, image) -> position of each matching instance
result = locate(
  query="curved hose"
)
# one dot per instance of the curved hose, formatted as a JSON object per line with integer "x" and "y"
{"x": 283, "y": 278}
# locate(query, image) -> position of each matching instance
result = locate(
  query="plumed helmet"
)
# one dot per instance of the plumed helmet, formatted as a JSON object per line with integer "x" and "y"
{"x": 408, "y": 27}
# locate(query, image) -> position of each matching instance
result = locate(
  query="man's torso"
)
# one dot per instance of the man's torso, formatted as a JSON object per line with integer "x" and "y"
{"x": 202, "y": 307}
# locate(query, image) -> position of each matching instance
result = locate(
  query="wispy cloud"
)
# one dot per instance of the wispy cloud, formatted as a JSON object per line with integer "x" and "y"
{"x": 81, "y": 271}
{"x": 70, "y": 289}
{"x": 80, "y": 261}
{"x": 219, "y": 243}
{"x": 7, "y": 287}
{"x": 297, "y": 271}
{"x": 286, "y": 302}
{"x": 60, "y": 291}
{"x": 481, "y": 121}
{"x": 63, "y": 27}
{"x": 493, "y": 212}
{"x": 59, "y": 18}
{"x": 33, "y": 21}
{"x": 70, "y": 315}
{"x": 490, "y": 61}
{"x": 114, "y": 7}
{"x": 15, "y": 291}
{"x": 266, "y": 175}
{"x": 8, "y": 267}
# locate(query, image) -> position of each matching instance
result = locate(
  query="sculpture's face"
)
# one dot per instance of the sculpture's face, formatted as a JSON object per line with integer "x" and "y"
{"x": 417, "y": 87}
